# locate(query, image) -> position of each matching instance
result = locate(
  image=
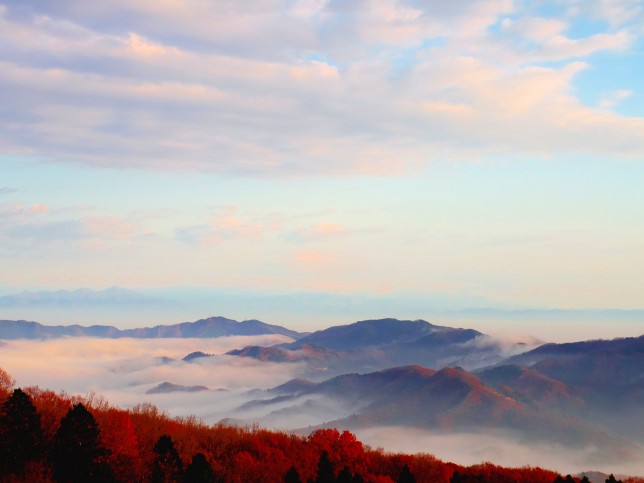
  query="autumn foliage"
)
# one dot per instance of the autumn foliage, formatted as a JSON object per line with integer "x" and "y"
{"x": 145, "y": 444}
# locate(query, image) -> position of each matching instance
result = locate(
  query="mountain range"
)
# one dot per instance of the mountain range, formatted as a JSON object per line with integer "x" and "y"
{"x": 371, "y": 345}
{"x": 203, "y": 328}
{"x": 592, "y": 399}
{"x": 412, "y": 373}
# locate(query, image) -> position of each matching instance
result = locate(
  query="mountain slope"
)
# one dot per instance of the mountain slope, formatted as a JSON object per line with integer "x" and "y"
{"x": 447, "y": 400}
{"x": 371, "y": 345}
{"x": 599, "y": 381}
{"x": 575, "y": 349}
{"x": 367, "y": 333}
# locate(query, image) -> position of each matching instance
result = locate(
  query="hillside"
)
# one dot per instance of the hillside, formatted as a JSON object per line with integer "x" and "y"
{"x": 447, "y": 400}
{"x": 599, "y": 381}
{"x": 371, "y": 345}
{"x": 143, "y": 443}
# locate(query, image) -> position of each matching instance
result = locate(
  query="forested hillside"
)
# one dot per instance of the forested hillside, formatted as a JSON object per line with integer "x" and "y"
{"x": 47, "y": 436}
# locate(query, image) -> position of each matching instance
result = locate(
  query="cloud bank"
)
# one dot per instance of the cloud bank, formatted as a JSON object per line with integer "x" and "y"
{"x": 123, "y": 370}
{"x": 310, "y": 87}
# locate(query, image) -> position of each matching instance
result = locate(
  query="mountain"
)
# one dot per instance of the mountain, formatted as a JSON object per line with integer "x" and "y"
{"x": 531, "y": 386}
{"x": 204, "y": 328}
{"x": 79, "y": 297}
{"x": 210, "y": 327}
{"x": 449, "y": 399}
{"x": 167, "y": 387}
{"x": 575, "y": 349}
{"x": 600, "y": 381}
{"x": 367, "y": 333}
{"x": 372, "y": 345}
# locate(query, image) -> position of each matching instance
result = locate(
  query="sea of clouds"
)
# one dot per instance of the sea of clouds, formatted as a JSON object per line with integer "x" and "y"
{"x": 122, "y": 370}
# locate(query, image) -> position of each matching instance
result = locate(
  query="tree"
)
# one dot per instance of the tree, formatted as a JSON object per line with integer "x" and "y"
{"x": 584, "y": 480}
{"x": 167, "y": 464}
{"x": 611, "y": 479}
{"x": 199, "y": 471}
{"x": 325, "y": 469}
{"x": 292, "y": 476}
{"x": 21, "y": 438}
{"x": 344, "y": 476}
{"x": 6, "y": 381}
{"x": 406, "y": 476}
{"x": 76, "y": 453}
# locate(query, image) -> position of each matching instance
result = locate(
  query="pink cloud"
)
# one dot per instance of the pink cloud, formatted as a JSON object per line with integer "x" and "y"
{"x": 227, "y": 224}
{"x": 312, "y": 258}
{"x": 328, "y": 229}
{"x": 39, "y": 208}
{"x": 109, "y": 226}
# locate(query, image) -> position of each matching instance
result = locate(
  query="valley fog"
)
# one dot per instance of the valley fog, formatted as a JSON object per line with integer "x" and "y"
{"x": 123, "y": 370}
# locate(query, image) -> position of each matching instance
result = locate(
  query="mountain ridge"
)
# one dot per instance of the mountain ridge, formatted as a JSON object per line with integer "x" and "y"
{"x": 210, "y": 327}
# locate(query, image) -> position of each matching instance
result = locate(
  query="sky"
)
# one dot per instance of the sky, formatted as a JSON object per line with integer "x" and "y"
{"x": 480, "y": 153}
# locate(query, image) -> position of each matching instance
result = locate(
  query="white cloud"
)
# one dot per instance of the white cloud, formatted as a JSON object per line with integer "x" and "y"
{"x": 326, "y": 88}
{"x": 36, "y": 229}
{"x": 612, "y": 99}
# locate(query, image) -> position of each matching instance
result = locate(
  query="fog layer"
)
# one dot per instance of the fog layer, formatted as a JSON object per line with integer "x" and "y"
{"x": 123, "y": 370}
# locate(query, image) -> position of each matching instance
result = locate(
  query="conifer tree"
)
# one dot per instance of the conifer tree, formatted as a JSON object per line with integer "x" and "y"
{"x": 344, "y": 476}
{"x": 292, "y": 476}
{"x": 199, "y": 471}
{"x": 76, "y": 453}
{"x": 167, "y": 464}
{"x": 406, "y": 476}
{"x": 325, "y": 469}
{"x": 21, "y": 437}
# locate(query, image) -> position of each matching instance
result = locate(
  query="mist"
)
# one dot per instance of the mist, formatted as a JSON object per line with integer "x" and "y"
{"x": 123, "y": 370}
{"x": 503, "y": 448}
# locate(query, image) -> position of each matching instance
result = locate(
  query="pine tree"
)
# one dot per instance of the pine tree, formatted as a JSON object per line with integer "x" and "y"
{"x": 325, "y": 469}
{"x": 21, "y": 437}
{"x": 167, "y": 464}
{"x": 76, "y": 453}
{"x": 199, "y": 471}
{"x": 406, "y": 476}
{"x": 344, "y": 476}
{"x": 292, "y": 476}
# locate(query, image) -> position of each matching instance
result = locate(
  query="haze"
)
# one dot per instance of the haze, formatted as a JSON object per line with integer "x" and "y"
{"x": 485, "y": 156}
{"x": 123, "y": 370}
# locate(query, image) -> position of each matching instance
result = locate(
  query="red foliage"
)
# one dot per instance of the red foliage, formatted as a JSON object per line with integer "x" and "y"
{"x": 247, "y": 454}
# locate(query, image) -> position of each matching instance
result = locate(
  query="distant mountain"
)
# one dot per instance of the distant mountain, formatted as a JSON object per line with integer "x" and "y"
{"x": 167, "y": 387}
{"x": 371, "y": 345}
{"x": 600, "y": 381}
{"x": 531, "y": 386}
{"x": 210, "y": 327}
{"x": 79, "y": 297}
{"x": 367, "y": 333}
{"x": 572, "y": 349}
{"x": 450, "y": 399}
{"x": 204, "y": 328}
{"x": 195, "y": 355}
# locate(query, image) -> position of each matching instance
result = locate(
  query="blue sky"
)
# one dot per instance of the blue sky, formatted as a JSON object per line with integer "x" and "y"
{"x": 490, "y": 153}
